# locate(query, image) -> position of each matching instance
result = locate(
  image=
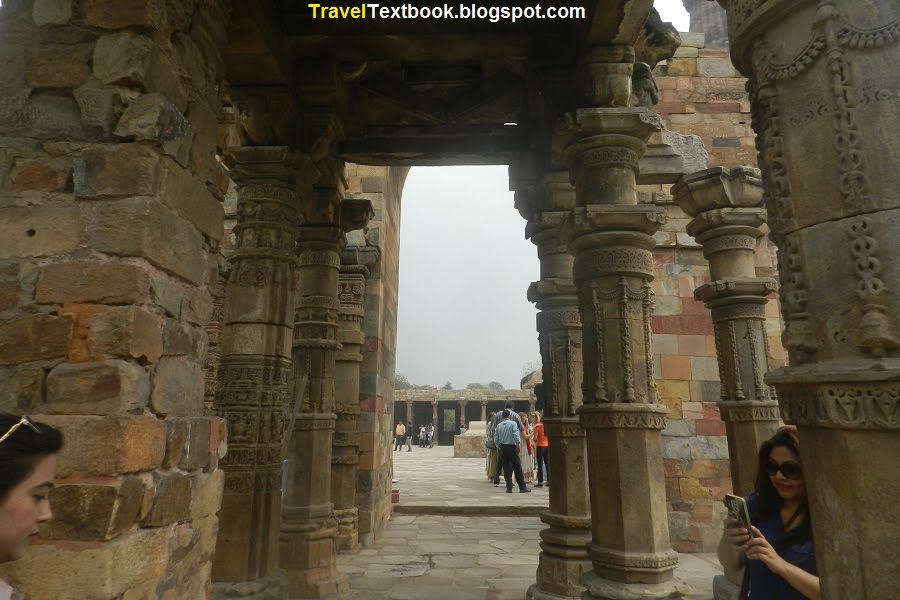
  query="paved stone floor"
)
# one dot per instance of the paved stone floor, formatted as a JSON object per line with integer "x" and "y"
{"x": 431, "y": 555}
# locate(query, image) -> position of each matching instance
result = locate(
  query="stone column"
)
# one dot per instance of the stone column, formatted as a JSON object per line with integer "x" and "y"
{"x": 409, "y": 414}
{"x": 611, "y": 237}
{"x": 308, "y": 529}
{"x": 462, "y": 413}
{"x": 345, "y": 445}
{"x": 484, "y": 410}
{"x": 822, "y": 76}
{"x": 531, "y": 405}
{"x": 434, "y": 413}
{"x": 255, "y": 367}
{"x": 727, "y": 210}
{"x": 563, "y": 559}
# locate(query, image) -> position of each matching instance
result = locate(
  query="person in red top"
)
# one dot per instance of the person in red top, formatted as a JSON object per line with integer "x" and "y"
{"x": 541, "y": 443}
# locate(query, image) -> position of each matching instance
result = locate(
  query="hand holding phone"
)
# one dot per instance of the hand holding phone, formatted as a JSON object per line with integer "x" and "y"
{"x": 737, "y": 528}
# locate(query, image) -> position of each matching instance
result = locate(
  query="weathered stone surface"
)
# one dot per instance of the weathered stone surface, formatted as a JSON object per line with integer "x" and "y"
{"x": 197, "y": 453}
{"x": 41, "y": 175}
{"x": 715, "y": 67}
{"x": 21, "y": 388}
{"x": 151, "y": 117}
{"x": 109, "y": 282}
{"x": 693, "y": 39}
{"x": 49, "y": 115}
{"x": 109, "y": 387}
{"x": 182, "y": 339}
{"x": 206, "y": 495}
{"x": 143, "y": 227}
{"x": 105, "y": 571}
{"x": 60, "y": 66}
{"x": 94, "y": 511}
{"x": 51, "y": 12}
{"x": 120, "y": 170}
{"x": 39, "y": 230}
{"x": 109, "y": 445}
{"x": 177, "y": 387}
{"x": 100, "y": 105}
{"x": 124, "y": 13}
{"x": 9, "y": 294}
{"x": 123, "y": 58}
{"x": 34, "y": 337}
{"x": 126, "y": 332}
{"x": 191, "y": 199}
{"x": 172, "y": 503}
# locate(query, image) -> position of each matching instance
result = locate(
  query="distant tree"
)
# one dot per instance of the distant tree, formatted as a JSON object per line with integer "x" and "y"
{"x": 447, "y": 386}
{"x": 531, "y": 367}
{"x": 496, "y": 386}
{"x": 402, "y": 382}
{"x": 476, "y": 386}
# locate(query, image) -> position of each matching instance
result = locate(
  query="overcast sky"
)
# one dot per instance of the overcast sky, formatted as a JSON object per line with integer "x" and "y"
{"x": 465, "y": 266}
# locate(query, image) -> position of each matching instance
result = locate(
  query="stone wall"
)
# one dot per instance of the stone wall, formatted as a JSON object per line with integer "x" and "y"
{"x": 110, "y": 223}
{"x": 702, "y": 95}
{"x": 383, "y": 186}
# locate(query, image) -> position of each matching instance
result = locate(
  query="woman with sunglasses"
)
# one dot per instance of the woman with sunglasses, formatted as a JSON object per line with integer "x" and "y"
{"x": 778, "y": 551}
{"x": 27, "y": 468}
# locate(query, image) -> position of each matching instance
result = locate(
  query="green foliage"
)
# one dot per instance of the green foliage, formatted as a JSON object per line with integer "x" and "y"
{"x": 447, "y": 386}
{"x": 476, "y": 386}
{"x": 496, "y": 386}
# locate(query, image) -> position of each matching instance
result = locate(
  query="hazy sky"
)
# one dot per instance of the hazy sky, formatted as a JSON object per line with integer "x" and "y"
{"x": 465, "y": 266}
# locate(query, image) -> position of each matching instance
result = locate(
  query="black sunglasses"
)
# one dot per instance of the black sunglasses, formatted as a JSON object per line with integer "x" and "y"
{"x": 790, "y": 470}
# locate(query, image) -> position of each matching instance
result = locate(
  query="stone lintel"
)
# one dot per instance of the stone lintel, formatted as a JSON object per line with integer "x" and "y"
{"x": 279, "y": 163}
{"x": 719, "y": 187}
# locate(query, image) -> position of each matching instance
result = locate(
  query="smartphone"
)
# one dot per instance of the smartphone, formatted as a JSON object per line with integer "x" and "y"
{"x": 737, "y": 508}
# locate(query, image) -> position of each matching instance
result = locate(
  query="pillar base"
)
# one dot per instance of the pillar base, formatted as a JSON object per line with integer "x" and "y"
{"x": 347, "y": 529}
{"x": 599, "y": 588}
{"x": 563, "y": 561}
{"x": 268, "y": 588}
{"x": 723, "y": 589}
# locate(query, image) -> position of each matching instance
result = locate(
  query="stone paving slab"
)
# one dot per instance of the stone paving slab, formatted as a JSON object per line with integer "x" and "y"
{"x": 470, "y": 558}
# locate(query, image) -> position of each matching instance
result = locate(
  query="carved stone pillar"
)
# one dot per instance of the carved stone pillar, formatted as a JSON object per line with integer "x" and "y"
{"x": 727, "y": 210}
{"x": 484, "y": 410}
{"x": 345, "y": 445}
{"x": 434, "y": 413}
{"x": 409, "y": 416}
{"x": 308, "y": 529}
{"x": 563, "y": 559}
{"x": 822, "y": 76}
{"x": 255, "y": 367}
{"x": 462, "y": 414}
{"x": 611, "y": 237}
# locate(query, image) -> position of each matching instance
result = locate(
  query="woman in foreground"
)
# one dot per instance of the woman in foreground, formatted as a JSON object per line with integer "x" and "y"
{"x": 27, "y": 468}
{"x": 778, "y": 551}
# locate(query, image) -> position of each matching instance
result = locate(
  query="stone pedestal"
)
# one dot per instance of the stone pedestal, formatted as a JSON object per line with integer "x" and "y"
{"x": 345, "y": 445}
{"x": 727, "y": 210}
{"x": 821, "y": 77}
{"x": 563, "y": 559}
{"x": 255, "y": 367}
{"x": 610, "y": 236}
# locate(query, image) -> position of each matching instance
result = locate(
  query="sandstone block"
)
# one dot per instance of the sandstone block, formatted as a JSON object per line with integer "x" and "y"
{"x": 100, "y": 105}
{"x": 676, "y": 367}
{"x": 9, "y": 294}
{"x": 686, "y": 52}
{"x": 29, "y": 231}
{"x": 715, "y": 67}
{"x": 105, "y": 570}
{"x": 119, "y": 170}
{"x": 172, "y": 503}
{"x": 21, "y": 388}
{"x": 123, "y": 58}
{"x": 678, "y": 525}
{"x": 93, "y": 282}
{"x": 692, "y": 490}
{"x": 51, "y": 12}
{"x": 126, "y": 332}
{"x": 678, "y": 428}
{"x": 180, "y": 301}
{"x": 94, "y": 512}
{"x": 681, "y": 67}
{"x": 197, "y": 454}
{"x": 692, "y": 39}
{"x": 676, "y": 447}
{"x": 34, "y": 337}
{"x": 143, "y": 227}
{"x": 60, "y": 66}
{"x": 151, "y": 117}
{"x": 41, "y": 175}
{"x": 206, "y": 126}
{"x": 207, "y": 494}
{"x": 177, "y": 432}
{"x": 704, "y": 368}
{"x": 191, "y": 199}
{"x": 182, "y": 339}
{"x": 109, "y": 445}
{"x": 50, "y": 116}
{"x": 177, "y": 388}
{"x": 109, "y": 387}
{"x": 124, "y": 13}
{"x": 709, "y": 447}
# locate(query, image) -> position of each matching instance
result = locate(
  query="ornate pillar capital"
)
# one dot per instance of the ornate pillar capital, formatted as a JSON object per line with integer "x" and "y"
{"x": 606, "y": 75}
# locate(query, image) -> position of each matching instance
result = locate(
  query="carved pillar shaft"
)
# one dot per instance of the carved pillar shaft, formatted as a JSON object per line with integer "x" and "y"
{"x": 727, "y": 218}
{"x": 409, "y": 417}
{"x": 462, "y": 414}
{"x": 822, "y": 76}
{"x": 307, "y": 529}
{"x": 484, "y": 410}
{"x": 610, "y": 236}
{"x": 563, "y": 558}
{"x": 255, "y": 367}
{"x": 434, "y": 413}
{"x": 345, "y": 445}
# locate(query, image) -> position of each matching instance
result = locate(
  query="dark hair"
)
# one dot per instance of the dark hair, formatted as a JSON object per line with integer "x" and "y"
{"x": 769, "y": 500}
{"x": 21, "y": 451}
{"x": 506, "y": 413}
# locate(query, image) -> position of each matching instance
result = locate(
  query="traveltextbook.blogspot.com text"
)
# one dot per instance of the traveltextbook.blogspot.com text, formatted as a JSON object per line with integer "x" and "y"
{"x": 463, "y": 10}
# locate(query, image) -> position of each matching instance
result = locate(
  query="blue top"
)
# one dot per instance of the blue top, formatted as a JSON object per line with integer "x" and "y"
{"x": 766, "y": 585}
{"x": 507, "y": 432}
